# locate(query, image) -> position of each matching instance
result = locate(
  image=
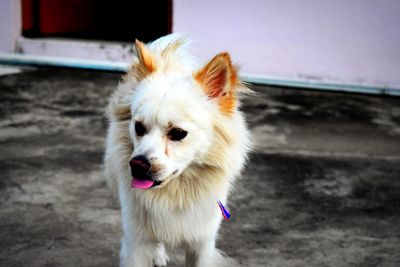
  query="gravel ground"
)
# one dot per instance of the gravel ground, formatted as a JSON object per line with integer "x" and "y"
{"x": 322, "y": 187}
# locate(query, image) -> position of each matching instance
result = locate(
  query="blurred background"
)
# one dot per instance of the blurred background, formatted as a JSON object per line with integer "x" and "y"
{"x": 322, "y": 186}
{"x": 352, "y": 45}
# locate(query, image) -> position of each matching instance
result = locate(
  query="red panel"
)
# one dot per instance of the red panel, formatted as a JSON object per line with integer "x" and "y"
{"x": 27, "y": 14}
{"x": 58, "y": 16}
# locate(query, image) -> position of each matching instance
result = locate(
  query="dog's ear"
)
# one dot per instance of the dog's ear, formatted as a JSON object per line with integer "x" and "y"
{"x": 147, "y": 62}
{"x": 219, "y": 79}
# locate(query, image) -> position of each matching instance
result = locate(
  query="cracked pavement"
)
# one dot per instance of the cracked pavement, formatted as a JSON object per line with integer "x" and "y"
{"x": 322, "y": 187}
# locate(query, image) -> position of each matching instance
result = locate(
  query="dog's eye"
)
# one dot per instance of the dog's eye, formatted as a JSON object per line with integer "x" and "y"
{"x": 139, "y": 128}
{"x": 176, "y": 134}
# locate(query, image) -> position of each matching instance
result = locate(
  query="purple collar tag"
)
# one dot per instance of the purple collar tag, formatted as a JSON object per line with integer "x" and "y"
{"x": 225, "y": 212}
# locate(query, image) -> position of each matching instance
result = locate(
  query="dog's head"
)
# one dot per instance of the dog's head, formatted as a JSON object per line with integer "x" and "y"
{"x": 173, "y": 111}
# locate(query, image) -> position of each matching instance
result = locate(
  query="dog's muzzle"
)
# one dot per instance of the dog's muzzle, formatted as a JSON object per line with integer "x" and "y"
{"x": 141, "y": 173}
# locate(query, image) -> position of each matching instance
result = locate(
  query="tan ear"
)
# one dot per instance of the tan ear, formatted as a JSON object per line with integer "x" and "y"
{"x": 219, "y": 79}
{"x": 147, "y": 63}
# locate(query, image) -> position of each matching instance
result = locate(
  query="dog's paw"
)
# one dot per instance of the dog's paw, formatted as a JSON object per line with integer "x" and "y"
{"x": 160, "y": 258}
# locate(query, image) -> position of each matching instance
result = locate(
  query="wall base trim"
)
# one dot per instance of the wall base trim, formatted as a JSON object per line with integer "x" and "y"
{"x": 22, "y": 59}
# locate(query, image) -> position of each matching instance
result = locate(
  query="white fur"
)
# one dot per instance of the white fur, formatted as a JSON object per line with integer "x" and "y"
{"x": 151, "y": 219}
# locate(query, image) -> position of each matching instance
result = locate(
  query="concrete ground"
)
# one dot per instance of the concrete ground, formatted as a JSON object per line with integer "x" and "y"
{"x": 322, "y": 187}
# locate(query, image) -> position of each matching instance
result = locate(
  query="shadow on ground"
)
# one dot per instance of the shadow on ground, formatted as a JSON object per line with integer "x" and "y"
{"x": 322, "y": 187}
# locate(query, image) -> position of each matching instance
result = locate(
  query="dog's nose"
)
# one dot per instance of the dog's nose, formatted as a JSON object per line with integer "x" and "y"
{"x": 140, "y": 166}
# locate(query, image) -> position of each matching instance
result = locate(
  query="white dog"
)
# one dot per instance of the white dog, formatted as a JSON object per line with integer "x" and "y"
{"x": 176, "y": 143}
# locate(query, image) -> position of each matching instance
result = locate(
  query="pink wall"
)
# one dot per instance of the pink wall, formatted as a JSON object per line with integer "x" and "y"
{"x": 348, "y": 42}
{"x": 10, "y": 24}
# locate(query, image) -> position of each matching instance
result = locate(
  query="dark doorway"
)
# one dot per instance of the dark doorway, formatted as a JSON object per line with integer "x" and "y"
{"x": 118, "y": 20}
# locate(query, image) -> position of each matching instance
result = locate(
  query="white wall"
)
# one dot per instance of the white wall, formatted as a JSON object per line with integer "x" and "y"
{"x": 353, "y": 42}
{"x": 10, "y": 24}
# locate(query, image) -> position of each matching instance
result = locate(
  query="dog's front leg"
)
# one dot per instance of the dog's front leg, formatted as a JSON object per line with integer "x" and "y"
{"x": 138, "y": 254}
{"x": 201, "y": 253}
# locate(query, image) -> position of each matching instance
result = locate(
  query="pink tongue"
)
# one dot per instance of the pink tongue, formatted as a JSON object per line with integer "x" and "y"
{"x": 142, "y": 184}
